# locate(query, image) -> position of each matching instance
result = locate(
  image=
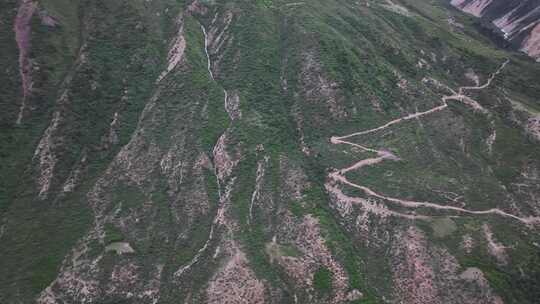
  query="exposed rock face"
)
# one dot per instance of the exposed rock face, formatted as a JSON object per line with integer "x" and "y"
{"x": 236, "y": 282}
{"x": 414, "y": 277}
{"x": 315, "y": 253}
{"x": 533, "y": 127}
{"x": 518, "y": 21}
{"x": 176, "y": 51}
{"x": 472, "y": 7}
{"x": 531, "y": 43}
{"x": 496, "y": 249}
{"x": 47, "y": 159}
{"x": 426, "y": 274}
{"x": 224, "y": 162}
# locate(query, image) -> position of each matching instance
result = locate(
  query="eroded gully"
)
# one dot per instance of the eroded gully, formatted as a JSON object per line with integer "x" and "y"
{"x": 222, "y": 194}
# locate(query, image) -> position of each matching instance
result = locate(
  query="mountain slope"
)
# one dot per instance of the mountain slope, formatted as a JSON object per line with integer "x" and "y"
{"x": 265, "y": 151}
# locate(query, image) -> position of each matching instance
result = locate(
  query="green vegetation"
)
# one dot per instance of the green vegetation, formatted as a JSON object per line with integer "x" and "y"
{"x": 322, "y": 280}
{"x": 304, "y": 71}
{"x": 443, "y": 227}
{"x": 514, "y": 287}
{"x": 112, "y": 234}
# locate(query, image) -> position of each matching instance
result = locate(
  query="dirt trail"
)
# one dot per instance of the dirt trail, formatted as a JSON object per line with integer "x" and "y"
{"x": 338, "y": 176}
{"x": 488, "y": 83}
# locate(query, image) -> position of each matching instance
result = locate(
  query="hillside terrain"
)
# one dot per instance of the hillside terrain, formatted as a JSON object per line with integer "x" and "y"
{"x": 270, "y": 151}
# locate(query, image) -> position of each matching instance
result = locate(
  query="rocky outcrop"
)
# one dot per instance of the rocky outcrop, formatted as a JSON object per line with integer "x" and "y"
{"x": 427, "y": 274}
{"x": 312, "y": 253}
{"x": 531, "y": 44}
{"x": 472, "y": 7}
{"x": 176, "y": 51}
{"x": 236, "y": 282}
{"x": 517, "y": 21}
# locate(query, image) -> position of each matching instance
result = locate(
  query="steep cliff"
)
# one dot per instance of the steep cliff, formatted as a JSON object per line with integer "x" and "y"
{"x": 518, "y": 21}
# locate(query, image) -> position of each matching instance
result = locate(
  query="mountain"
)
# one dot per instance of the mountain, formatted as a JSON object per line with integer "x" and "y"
{"x": 517, "y": 21}
{"x": 265, "y": 151}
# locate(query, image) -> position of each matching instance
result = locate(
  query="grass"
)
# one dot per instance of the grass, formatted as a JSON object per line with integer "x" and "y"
{"x": 322, "y": 280}
{"x": 112, "y": 234}
{"x": 443, "y": 227}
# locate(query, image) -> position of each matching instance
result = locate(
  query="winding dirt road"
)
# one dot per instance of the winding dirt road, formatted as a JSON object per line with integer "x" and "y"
{"x": 338, "y": 176}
